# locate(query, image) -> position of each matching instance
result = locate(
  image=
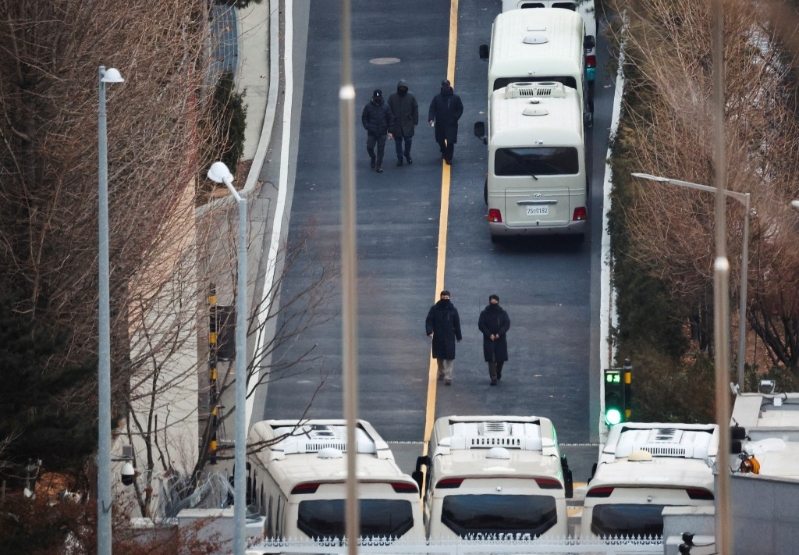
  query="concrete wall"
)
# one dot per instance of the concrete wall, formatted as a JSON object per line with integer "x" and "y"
{"x": 765, "y": 515}
{"x": 163, "y": 334}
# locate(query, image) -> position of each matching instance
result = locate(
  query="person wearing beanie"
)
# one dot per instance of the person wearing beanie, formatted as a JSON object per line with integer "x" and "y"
{"x": 378, "y": 121}
{"x": 494, "y": 323}
{"x": 445, "y": 111}
{"x": 406, "y": 117}
{"x": 443, "y": 326}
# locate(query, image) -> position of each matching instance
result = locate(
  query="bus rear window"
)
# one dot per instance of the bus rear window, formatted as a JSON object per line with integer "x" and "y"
{"x": 627, "y": 520}
{"x": 536, "y": 161}
{"x": 499, "y": 514}
{"x": 324, "y": 518}
{"x": 567, "y": 80}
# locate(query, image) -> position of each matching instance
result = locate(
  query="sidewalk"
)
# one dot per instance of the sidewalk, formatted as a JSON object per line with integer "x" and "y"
{"x": 246, "y": 42}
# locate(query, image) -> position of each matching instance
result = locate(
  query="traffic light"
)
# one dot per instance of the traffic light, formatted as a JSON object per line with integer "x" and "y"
{"x": 618, "y": 394}
{"x": 614, "y": 397}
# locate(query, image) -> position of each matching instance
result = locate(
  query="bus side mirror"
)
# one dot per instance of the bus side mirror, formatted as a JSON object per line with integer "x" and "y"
{"x": 418, "y": 477}
{"x": 590, "y": 42}
{"x": 417, "y": 474}
{"x": 568, "y": 480}
{"x": 480, "y": 131}
{"x": 484, "y": 52}
{"x": 593, "y": 471}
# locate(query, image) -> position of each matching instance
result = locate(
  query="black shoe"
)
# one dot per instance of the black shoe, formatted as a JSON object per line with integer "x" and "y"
{"x": 399, "y": 161}
{"x": 449, "y": 162}
{"x": 493, "y": 382}
{"x": 379, "y": 169}
{"x": 499, "y": 375}
{"x": 408, "y": 158}
{"x": 373, "y": 162}
{"x": 447, "y": 382}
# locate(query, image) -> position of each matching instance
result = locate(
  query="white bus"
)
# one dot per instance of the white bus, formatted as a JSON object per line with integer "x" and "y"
{"x": 495, "y": 477}
{"x": 586, "y": 10}
{"x": 536, "y": 182}
{"x": 643, "y": 468}
{"x": 297, "y": 481}
{"x": 539, "y": 45}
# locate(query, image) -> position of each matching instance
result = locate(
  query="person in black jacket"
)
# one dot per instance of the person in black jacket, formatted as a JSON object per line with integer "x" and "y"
{"x": 406, "y": 117}
{"x": 445, "y": 111}
{"x": 378, "y": 120}
{"x": 494, "y": 323}
{"x": 443, "y": 326}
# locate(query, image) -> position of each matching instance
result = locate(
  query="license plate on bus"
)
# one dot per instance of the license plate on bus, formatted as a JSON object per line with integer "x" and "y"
{"x": 538, "y": 210}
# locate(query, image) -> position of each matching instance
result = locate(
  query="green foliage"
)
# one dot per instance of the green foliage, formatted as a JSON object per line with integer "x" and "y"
{"x": 651, "y": 323}
{"x": 40, "y": 404}
{"x": 648, "y": 315}
{"x": 672, "y": 391}
{"x": 231, "y": 118}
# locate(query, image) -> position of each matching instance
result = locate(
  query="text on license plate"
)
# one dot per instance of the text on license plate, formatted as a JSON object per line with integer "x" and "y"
{"x": 538, "y": 210}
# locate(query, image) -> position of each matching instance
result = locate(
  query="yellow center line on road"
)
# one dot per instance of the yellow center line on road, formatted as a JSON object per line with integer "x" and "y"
{"x": 443, "y": 222}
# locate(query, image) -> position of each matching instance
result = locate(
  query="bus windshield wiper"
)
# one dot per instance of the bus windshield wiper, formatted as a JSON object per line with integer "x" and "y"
{"x": 519, "y": 159}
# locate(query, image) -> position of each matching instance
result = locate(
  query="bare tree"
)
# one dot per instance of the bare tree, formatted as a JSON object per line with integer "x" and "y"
{"x": 169, "y": 366}
{"x": 667, "y": 132}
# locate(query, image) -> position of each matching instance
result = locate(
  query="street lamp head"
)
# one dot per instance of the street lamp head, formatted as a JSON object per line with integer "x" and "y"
{"x": 795, "y": 204}
{"x": 219, "y": 173}
{"x": 111, "y": 75}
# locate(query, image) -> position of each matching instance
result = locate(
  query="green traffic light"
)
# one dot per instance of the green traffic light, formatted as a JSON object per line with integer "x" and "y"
{"x": 612, "y": 416}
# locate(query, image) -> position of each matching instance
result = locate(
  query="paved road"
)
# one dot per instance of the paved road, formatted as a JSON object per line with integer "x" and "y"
{"x": 548, "y": 285}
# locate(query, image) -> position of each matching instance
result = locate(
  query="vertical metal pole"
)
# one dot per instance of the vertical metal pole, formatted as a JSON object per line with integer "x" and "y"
{"x": 349, "y": 272}
{"x": 239, "y": 480}
{"x": 104, "y": 333}
{"x": 721, "y": 289}
{"x": 742, "y": 309}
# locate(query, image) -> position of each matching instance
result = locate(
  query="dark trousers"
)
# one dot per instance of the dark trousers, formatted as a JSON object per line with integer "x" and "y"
{"x": 380, "y": 140}
{"x": 398, "y": 146}
{"x": 495, "y": 370}
{"x": 447, "y": 149}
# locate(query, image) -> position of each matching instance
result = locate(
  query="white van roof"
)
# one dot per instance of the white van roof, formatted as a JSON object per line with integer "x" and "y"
{"x": 536, "y": 113}
{"x": 678, "y": 455}
{"x": 477, "y": 446}
{"x": 313, "y": 451}
{"x": 771, "y": 422}
{"x": 540, "y": 42}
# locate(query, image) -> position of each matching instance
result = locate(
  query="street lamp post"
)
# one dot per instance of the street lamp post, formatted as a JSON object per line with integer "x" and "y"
{"x": 109, "y": 75}
{"x": 743, "y": 198}
{"x": 220, "y": 173}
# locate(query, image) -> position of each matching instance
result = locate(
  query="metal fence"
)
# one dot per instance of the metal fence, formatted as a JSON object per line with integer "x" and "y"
{"x": 641, "y": 546}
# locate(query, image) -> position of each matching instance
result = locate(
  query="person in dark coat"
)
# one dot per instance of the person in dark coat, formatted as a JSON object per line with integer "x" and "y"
{"x": 443, "y": 326}
{"x": 494, "y": 323}
{"x": 445, "y": 111}
{"x": 406, "y": 117}
{"x": 378, "y": 121}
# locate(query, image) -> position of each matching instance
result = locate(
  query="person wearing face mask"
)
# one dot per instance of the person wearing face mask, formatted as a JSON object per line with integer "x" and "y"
{"x": 445, "y": 111}
{"x": 406, "y": 117}
{"x": 494, "y": 323}
{"x": 443, "y": 326}
{"x": 378, "y": 121}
